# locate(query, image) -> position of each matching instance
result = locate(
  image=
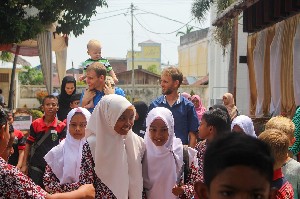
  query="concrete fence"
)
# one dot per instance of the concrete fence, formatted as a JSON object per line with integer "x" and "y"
{"x": 144, "y": 93}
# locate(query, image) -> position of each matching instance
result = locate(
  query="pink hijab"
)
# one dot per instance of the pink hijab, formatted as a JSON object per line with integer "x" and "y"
{"x": 200, "y": 109}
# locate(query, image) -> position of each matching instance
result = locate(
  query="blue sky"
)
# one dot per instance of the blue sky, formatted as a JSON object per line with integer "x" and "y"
{"x": 157, "y": 20}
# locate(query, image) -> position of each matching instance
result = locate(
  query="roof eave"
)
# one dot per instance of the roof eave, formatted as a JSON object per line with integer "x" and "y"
{"x": 232, "y": 11}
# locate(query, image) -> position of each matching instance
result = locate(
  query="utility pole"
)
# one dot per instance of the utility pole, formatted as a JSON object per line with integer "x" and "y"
{"x": 73, "y": 69}
{"x": 132, "y": 55}
{"x": 12, "y": 80}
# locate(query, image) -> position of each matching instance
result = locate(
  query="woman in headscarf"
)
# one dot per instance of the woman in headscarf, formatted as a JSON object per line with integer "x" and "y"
{"x": 116, "y": 150}
{"x": 70, "y": 164}
{"x": 15, "y": 184}
{"x": 228, "y": 101}
{"x": 139, "y": 122}
{"x": 164, "y": 166}
{"x": 200, "y": 109}
{"x": 68, "y": 88}
{"x": 243, "y": 124}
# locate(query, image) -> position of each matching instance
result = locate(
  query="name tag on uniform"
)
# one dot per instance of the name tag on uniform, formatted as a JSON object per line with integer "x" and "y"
{"x": 142, "y": 132}
{"x": 54, "y": 135}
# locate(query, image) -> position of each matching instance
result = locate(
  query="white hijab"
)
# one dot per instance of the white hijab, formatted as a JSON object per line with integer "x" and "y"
{"x": 117, "y": 158}
{"x": 65, "y": 158}
{"x": 245, "y": 123}
{"x": 162, "y": 164}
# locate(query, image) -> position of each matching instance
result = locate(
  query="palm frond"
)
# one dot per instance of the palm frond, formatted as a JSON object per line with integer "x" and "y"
{"x": 200, "y": 8}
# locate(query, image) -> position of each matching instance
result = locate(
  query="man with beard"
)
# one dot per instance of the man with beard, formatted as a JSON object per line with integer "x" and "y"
{"x": 183, "y": 110}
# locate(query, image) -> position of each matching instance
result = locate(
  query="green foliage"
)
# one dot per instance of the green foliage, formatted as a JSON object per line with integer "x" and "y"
{"x": 188, "y": 30}
{"x": 36, "y": 114}
{"x": 6, "y": 56}
{"x": 222, "y": 34}
{"x": 80, "y": 83}
{"x": 154, "y": 69}
{"x": 200, "y": 8}
{"x": 72, "y": 16}
{"x": 192, "y": 93}
{"x": 31, "y": 76}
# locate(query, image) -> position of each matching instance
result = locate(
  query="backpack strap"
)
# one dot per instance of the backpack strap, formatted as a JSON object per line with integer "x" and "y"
{"x": 36, "y": 145}
{"x": 186, "y": 168}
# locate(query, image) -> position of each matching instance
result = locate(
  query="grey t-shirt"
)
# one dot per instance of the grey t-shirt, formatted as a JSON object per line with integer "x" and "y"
{"x": 291, "y": 171}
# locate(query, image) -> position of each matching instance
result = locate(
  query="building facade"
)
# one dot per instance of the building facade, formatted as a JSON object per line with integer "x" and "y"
{"x": 193, "y": 53}
{"x": 149, "y": 55}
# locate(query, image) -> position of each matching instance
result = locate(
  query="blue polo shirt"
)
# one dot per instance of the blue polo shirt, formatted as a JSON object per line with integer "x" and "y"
{"x": 185, "y": 117}
{"x": 99, "y": 95}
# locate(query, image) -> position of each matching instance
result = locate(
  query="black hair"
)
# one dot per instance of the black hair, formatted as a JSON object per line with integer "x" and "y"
{"x": 9, "y": 111}
{"x": 11, "y": 128}
{"x": 49, "y": 97}
{"x": 75, "y": 97}
{"x": 235, "y": 149}
{"x": 223, "y": 108}
{"x": 3, "y": 117}
{"x": 142, "y": 110}
{"x": 218, "y": 119}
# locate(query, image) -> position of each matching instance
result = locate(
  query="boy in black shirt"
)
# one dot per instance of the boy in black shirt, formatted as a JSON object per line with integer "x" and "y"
{"x": 45, "y": 133}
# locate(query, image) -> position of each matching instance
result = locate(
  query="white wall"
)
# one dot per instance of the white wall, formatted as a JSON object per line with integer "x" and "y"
{"x": 217, "y": 66}
{"x": 218, "y": 69}
{"x": 242, "y": 84}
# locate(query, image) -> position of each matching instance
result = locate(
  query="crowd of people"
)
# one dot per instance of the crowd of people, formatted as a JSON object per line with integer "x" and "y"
{"x": 99, "y": 145}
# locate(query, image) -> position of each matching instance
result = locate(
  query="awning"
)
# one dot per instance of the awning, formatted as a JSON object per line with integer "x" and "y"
{"x": 202, "y": 81}
{"x": 47, "y": 40}
{"x": 29, "y": 47}
{"x": 259, "y": 14}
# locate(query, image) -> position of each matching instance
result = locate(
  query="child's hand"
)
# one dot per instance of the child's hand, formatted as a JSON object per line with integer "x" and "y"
{"x": 90, "y": 105}
{"x": 89, "y": 95}
{"x": 87, "y": 190}
{"x": 115, "y": 80}
{"x": 108, "y": 89}
{"x": 177, "y": 191}
{"x": 24, "y": 169}
{"x": 81, "y": 78}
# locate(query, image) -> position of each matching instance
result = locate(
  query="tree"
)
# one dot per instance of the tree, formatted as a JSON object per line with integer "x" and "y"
{"x": 6, "y": 56}
{"x": 188, "y": 30}
{"x": 154, "y": 69}
{"x": 32, "y": 76}
{"x": 224, "y": 35}
{"x": 18, "y": 25}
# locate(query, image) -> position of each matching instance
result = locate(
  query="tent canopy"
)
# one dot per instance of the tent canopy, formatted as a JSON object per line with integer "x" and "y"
{"x": 43, "y": 46}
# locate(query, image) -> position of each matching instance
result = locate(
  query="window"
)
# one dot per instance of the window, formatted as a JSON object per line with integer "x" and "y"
{"x": 4, "y": 77}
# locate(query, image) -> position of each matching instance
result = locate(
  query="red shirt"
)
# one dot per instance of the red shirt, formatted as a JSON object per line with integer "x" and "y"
{"x": 284, "y": 188}
{"x": 38, "y": 128}
{"x": 20, "y": 136}
{"x": 18, "y": 144}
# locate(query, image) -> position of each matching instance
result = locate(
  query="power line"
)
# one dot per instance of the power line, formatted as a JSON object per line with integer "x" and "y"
{"x": 148, "y": 12}
{"x": 159, "y": 33}
{"x": 111, "y": 11}
{"x": 124, "y": 13}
